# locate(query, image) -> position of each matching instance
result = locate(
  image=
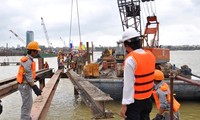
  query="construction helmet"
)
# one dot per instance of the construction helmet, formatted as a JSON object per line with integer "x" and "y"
{"x": 128, "y": 34}
{"x": 158, "y": 75}
{"x": 33, "y": 46}
{"x": 59, "y": 51}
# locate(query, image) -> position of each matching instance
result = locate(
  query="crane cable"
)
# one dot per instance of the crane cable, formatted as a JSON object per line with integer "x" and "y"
{"x": 70, "y": 29}
{"x": 147, "y": 9}
{"x": 78, "y": 20}
{"x": 144, "y": 14}
{"x": 152, "y": 8}
{"x": 71, "y": 21}
{"x": 155, "y": 7}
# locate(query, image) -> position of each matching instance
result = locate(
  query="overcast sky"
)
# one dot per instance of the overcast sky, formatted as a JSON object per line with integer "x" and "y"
{"x": 99, "y": 21}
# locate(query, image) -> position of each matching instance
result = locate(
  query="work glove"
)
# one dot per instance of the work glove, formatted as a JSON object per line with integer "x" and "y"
{"x": 37, "y": 78}
{"x": 159, "y": 117}
{"x": 36, "y": 90}
{"x": 1, "y": 107}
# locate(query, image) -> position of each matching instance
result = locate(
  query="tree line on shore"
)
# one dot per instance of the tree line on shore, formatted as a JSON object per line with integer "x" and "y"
{"x": 180, "y": 47}
{"x": 22, "y": 51}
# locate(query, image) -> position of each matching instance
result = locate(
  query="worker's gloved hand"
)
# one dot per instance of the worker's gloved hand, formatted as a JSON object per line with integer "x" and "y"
{"x": 1, "y": 107}
{"x": 37, "y": 78}
{"x": 36, "y": 90}
{"x": 159, "y": 117}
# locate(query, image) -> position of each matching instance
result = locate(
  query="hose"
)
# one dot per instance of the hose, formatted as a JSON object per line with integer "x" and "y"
{"x": 187, "y": 80}
{"x": 195, "y": 75}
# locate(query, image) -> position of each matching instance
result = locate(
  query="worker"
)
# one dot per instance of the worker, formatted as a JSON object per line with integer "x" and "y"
{"x": 139, "y": 66}
{"x": 73, "y": 65}
{"x": 61, "y": 65}
{"x": 25, "y": 78}
{"x": 46, "y": 65}
{"x": 67, "y": 60}
{"x": 161, "y": 94}
{"x": 1, "y": 108}
{"x": 60, "y": 58}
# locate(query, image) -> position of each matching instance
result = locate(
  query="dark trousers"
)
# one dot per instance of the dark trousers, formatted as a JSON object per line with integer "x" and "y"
{"x": 139, "y": 110}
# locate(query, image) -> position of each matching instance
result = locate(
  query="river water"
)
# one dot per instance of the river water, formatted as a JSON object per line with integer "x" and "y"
{"x": 65, "y": 106}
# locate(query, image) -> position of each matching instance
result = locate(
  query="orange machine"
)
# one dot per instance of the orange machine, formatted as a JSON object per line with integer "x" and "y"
{"x": 152, "y": 30}
{"x": 161, "y": 54}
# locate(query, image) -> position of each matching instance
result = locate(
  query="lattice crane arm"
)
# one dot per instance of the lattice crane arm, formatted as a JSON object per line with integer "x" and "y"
{"x": 45, "y": 32}
{"x": 63, "y": 42}
{"x": 23, "y": 41}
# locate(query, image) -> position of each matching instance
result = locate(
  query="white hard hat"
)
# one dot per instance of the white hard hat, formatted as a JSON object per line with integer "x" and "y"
{"x": 128, "y": 34}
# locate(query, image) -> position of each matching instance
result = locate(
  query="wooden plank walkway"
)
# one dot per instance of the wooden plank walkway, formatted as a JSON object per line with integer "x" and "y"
{"x": 92, "y": 96}
{"x": 41, "y": 104}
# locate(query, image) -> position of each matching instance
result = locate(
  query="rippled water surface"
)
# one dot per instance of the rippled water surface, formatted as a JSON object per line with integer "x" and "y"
{"x": 65, "y": 106}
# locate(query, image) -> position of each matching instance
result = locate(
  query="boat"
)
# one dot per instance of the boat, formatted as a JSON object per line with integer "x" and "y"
{"x": 114, "y": 87}
{"x": 107, "y": 72}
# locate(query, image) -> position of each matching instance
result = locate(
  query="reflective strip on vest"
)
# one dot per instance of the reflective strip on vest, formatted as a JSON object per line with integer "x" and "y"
{"x": 144, "y": 74}
{"x": 176, "y": 104}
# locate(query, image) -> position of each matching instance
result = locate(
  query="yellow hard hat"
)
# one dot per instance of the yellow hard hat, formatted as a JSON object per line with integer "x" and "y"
{"x": 158, "y": 75}
{"x": 33, "y": 46}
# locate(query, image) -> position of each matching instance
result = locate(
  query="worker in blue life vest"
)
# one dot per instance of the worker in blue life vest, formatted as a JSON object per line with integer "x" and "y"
{"x": 25, "y": 78}
{"x": 161, "y": 94}
{"x": 139, "y": 66}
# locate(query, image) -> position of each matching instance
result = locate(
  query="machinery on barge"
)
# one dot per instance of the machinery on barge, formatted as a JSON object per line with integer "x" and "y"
{"x": 107, "y": 73}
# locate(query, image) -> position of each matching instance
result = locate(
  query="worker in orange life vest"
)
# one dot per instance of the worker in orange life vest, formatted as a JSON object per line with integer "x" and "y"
{"x": 25, "y": 78}
{"x": 161, "y": 94}
{"x": 60, "y": 59}
{"x": 139, "y": 66}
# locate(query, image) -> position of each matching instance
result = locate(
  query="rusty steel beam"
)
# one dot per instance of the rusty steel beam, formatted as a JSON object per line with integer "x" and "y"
{"x": 41, "y": 104}
{"x": 93, "y": 97}
{"x": 193, "y": 82}
{"x": 9, "y": 85}
{"x": 8, "y": 89}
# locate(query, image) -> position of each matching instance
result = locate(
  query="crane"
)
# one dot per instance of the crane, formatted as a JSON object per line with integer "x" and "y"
{"x": 45, "y": 32}
{"x": 79, "y": 29}
{"x": 131, "y": 17}
{"x": 130, "y": 13}
{"x": 23, "y": 41}
{"x": 63, "y": 42}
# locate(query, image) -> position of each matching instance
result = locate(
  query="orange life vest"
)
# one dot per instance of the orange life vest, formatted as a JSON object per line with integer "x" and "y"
{"x": 21, "y": 72}
{"x": 144, "y": 74}
{"x": 165, "y": 87}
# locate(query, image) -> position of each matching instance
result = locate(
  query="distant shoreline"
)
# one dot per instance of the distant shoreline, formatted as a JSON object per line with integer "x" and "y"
{"x": 17, "y": 52}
